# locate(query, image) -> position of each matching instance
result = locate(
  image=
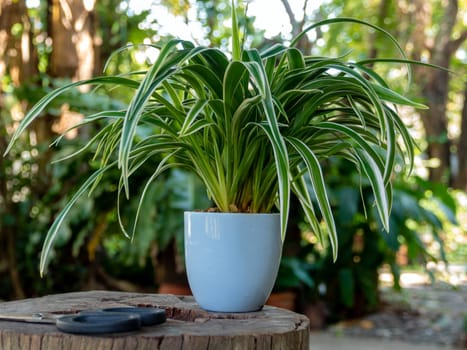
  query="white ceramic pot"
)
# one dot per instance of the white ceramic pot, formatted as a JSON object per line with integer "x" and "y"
{"x": 232, "y": 259}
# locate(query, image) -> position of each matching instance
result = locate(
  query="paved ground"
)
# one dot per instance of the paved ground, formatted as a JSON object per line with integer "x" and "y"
{"x": 424, "y": 316}
{"x": 328, "y": 341}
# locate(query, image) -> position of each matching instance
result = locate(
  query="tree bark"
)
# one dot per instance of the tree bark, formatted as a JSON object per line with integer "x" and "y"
{"x": 304, "y": 44}
{"x": 72, "y": 30}
{"x": 434, "y": 83}
{"x": 17, "y": 57}
{"x": 382, "y": 14}
{"x": 460, "y": 181}
{"x": 70, "y": 27}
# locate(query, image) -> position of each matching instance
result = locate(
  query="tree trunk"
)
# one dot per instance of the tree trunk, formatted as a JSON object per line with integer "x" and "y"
{"x": 434, "y": 119}
{"x": 460, "y": 180}
{"x": 17, "y": 57}
{"x": 436, "y": 125}
{"x": 72, "y": 30}
{"x": 70, "y": 26}
{"x": 187, "y": 327}
{"x": 434, "y": 83}
{"x": 382, "y": 14}
{"x": 304, "y": 44}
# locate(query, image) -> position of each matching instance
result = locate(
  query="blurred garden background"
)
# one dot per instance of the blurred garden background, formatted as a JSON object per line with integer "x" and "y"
{"x": 45, "y": 43}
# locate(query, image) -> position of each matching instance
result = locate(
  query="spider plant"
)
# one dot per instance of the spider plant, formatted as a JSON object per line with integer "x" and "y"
{"x": 253, "y": 125}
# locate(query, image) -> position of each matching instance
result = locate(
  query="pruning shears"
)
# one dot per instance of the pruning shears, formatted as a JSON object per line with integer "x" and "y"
{"x": 99, "y": 321}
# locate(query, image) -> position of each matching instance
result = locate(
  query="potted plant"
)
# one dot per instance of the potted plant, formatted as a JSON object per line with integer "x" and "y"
{"x": 254, "y": 127}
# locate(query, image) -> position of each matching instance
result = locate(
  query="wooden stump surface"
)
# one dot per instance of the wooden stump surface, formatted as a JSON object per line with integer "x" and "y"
{"x": 187, "y": 326}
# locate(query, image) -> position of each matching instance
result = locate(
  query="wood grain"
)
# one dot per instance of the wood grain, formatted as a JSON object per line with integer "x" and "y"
{"x": 187, "y": 326}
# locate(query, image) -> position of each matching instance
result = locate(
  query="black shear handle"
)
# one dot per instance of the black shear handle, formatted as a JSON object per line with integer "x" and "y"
{"x": 98, "y": 323}
{"x": 111, "y": 320}
{"x": 149, "y": 316}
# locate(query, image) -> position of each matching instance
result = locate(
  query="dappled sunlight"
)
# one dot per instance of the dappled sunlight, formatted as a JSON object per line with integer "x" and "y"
{"x": 453, "y": 275}
{"x": 67, "y": 120}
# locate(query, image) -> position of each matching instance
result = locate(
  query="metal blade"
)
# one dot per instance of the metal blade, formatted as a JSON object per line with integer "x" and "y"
{"x": 39, "y": 317}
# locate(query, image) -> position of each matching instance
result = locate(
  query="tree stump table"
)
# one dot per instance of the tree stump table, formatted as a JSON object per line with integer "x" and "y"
{"x": 187, "y": 325}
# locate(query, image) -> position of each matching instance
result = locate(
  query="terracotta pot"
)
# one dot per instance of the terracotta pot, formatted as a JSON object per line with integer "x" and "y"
{"x": 284, "y": 300}
{"x": 174, "y": 288}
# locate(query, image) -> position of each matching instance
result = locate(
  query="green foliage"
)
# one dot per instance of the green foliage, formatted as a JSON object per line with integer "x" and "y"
{"x": 335, "y": 37}
{"x": 27, "y": 212}
{"x": 351, "y": 282}
{"x": 294, "y": 273}
{"x": 253, "y": 128}
{"x": 120, "y": 27}
{"x": 165, "y": 201}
